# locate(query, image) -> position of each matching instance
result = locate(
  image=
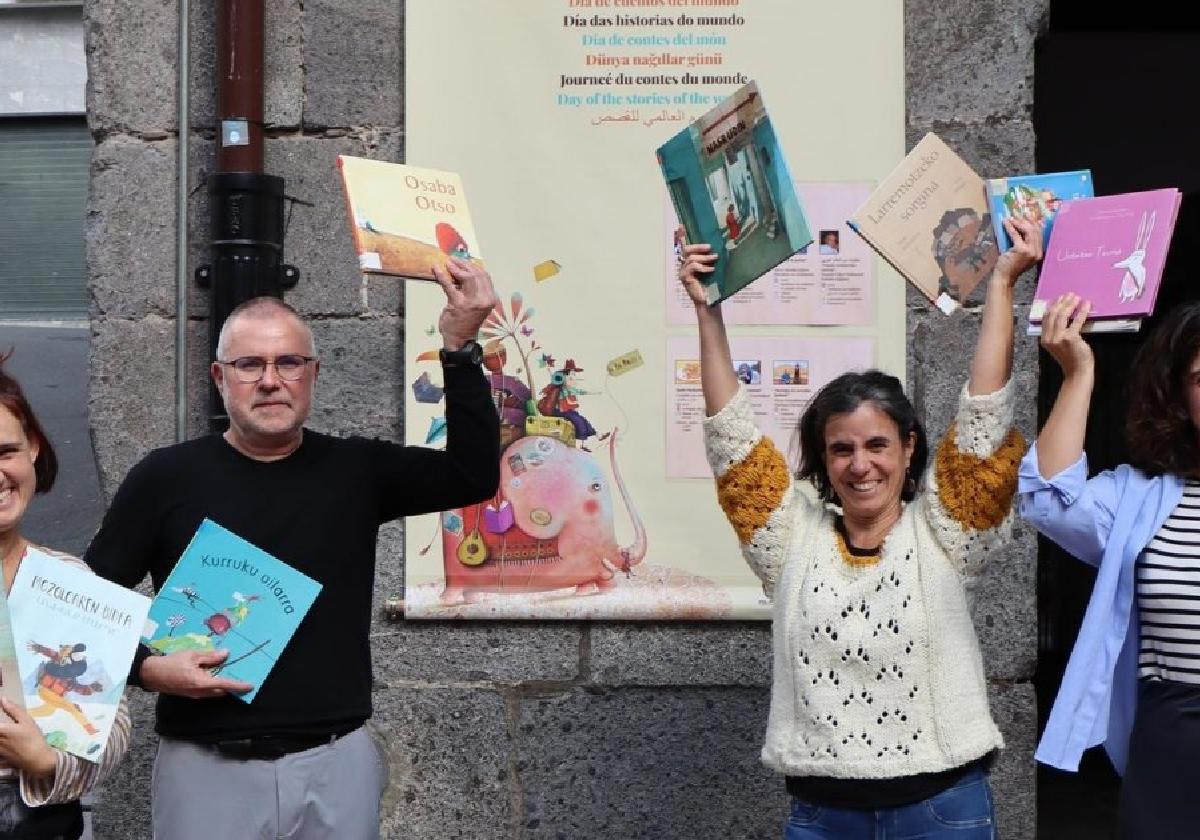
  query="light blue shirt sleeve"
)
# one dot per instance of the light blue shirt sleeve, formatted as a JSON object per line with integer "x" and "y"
{"x": 1074, "y": 511}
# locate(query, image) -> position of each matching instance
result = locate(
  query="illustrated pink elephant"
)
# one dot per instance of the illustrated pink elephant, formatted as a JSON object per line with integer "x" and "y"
{"x": 560, "y": 534}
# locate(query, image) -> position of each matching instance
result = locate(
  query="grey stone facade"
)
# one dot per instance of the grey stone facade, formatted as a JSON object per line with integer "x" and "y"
{"x": 505, "y": 730}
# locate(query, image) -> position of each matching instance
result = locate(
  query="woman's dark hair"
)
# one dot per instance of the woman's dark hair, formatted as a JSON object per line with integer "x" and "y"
{"x": 1161, "y": 436}
{"x": 45, "y": 467}
{"x": 842, "y": 396}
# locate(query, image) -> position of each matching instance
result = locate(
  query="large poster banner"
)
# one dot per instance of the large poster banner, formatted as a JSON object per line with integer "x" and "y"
{"x": 551, "y": 112}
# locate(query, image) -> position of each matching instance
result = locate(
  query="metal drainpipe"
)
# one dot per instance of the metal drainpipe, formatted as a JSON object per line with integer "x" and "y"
{"x": 181, "y": 221}
{"x": 240, "y": 35}
{"x": 247, "y": 205}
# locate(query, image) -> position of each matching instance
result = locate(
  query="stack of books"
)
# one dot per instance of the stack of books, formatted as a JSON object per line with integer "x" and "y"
{"x": 942, "y": 227}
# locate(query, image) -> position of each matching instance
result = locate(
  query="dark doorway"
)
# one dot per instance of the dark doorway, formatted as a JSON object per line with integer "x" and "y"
{"x": 1117, "y": 102}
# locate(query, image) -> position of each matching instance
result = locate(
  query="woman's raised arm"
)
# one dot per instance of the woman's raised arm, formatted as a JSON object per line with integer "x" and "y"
{"x": 992, "y": 363}
{"x": 717, "y": 379}
{"x": 1060, "y": 442}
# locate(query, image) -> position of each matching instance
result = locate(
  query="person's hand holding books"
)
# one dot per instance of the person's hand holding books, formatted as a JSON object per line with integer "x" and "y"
{"x": 699, "y": 261}
{"x": 189, "y": 673}
{"x": 470, "y": 298}
{"x": 1025, "y": 251}
{"x": 1061, "y": 338}
{"x": 22, "y": 743}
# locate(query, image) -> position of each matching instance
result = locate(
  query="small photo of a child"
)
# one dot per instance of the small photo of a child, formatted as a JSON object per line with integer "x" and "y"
{"x": 789, "y": 372}
{"x": 830, "y": 242}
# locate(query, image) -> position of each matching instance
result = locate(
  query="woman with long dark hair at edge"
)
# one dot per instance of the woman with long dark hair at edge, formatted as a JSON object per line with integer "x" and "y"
{"x": 879, "y": 716}
{"x": 1133, "y": 679}
{"x": 40, "y": 785}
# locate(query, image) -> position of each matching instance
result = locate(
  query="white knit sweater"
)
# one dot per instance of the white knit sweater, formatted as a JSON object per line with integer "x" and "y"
{"x": 877, "y": 669}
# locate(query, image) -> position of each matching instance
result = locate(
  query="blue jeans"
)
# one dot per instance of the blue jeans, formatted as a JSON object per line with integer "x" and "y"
{"x": 961, "y": 812}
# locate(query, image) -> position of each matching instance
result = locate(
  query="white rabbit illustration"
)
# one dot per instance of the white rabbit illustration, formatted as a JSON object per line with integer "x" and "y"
{"x": 1134, "y": 281}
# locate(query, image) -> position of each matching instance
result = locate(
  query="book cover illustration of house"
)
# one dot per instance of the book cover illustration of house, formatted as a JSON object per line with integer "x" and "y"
{"x": 227, "y": 594}
{"x": 929, "y": 218}
{"x": 1110, "y": 250}
{"x": 10, "y": 674}
{"x": 730, "y": 184}
{"x": 1036, "y": 198}
{"x": 406, "y": 219}
{"x": 75, "y": 634}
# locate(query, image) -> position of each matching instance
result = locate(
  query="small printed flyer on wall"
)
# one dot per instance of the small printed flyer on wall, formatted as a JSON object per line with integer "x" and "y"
{"x": 829, "y": 283}
{"x": 780, "y": 376}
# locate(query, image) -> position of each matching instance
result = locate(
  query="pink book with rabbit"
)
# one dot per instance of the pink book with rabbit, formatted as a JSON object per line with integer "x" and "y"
{"x": 1110, "y": 250}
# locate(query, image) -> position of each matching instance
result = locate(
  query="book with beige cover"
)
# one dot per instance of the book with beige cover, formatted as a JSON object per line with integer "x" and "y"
{"x": 406, "y": 219}
{"x": 929, "y": 218}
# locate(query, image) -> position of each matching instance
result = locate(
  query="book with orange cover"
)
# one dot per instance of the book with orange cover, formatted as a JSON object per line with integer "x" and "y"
{"x": 406, "y": 219}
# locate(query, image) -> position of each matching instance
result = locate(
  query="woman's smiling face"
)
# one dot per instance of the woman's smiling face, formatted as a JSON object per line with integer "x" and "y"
{"x": 866, "y": 461}
{"x": 17, "y": 479}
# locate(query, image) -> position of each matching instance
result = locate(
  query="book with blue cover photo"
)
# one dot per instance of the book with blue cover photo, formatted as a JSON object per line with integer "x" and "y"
{"x": 227, "y": 594}
{"x": 1034, "y": 197}
{"x": 731, "y": 187}
{"x": 75, "y": 635}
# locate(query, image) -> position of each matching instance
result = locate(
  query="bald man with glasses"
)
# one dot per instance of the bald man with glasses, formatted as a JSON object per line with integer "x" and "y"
{"x": 297, "y": 762}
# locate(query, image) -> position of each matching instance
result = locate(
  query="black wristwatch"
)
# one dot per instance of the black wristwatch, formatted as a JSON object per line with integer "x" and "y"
{"x": 469, "y": 354}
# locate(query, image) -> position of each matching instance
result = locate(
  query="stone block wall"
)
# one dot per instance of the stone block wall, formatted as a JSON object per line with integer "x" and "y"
{"x": 501, "y": 730}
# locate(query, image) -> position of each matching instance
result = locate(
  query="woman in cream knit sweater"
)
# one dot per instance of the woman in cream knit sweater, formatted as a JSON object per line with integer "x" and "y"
{"x": 879, "y": 716}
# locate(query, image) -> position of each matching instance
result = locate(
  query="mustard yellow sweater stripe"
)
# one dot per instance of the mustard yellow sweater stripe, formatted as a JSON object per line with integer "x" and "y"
{"x": 977, "y": 492}
{"x": 753, "y": 488}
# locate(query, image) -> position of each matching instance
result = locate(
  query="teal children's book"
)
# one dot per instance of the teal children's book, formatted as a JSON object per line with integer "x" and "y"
{"x": 1034, "y": 197}
{"x": 10, "y": 679}
{"x": 75, "y": 634}
{"x": 731, "y": 188}
{"x": 227, "y": 594}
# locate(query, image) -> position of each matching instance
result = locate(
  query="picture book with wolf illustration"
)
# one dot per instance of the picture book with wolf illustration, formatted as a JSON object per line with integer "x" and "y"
{"x": 405, "y": 219}
{"x": 730, "y": 184}
{"x": 75, "y": 635}
{"x": 227, "y": 594}
{"x": 930, "y": 220}
{"x": 1111, "y": 251}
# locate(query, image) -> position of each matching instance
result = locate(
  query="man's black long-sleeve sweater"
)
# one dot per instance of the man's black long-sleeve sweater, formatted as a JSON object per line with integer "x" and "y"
{"x": 318, "y": 510}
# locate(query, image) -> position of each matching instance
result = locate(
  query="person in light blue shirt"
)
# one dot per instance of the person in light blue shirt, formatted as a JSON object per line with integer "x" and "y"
{"x": 1133, "y": 679}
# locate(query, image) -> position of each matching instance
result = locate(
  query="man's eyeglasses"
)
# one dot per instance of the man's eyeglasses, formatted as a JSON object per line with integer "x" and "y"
{"x": 289, "y": 367}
